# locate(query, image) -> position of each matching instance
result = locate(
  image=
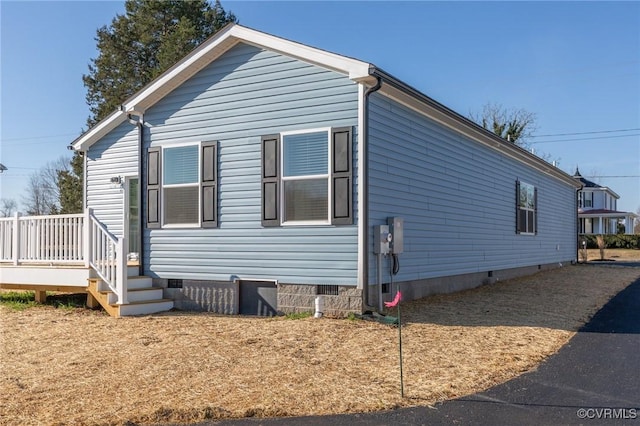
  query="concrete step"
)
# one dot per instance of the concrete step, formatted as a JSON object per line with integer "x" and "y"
{"x": 145, "y": 308}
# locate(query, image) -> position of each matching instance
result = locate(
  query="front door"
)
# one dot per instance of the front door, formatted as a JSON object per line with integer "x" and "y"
{"x": 132, "y": 216}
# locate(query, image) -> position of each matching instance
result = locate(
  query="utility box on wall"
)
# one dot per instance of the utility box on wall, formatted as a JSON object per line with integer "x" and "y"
{"x": 396, "y": 229}
{"x": 381, "y": 238}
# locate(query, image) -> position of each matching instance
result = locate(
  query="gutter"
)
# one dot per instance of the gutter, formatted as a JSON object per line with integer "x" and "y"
{"x": 364, "y": 134}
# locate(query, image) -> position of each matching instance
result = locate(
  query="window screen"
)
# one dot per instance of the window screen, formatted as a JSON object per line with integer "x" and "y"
{"x": 181, "y": 185}
{"x": 306, "y": 177}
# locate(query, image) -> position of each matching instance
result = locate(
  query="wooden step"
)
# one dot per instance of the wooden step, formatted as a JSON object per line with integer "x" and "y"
{"x": 141, "y": 300}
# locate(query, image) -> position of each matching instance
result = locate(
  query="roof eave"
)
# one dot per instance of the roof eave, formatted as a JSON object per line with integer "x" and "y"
{"x": 84, "y": 141}
{"x": 206, "y": 53}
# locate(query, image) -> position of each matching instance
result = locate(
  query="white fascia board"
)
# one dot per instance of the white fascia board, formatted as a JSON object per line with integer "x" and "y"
{"x": 588, "y": 215}
{"x": 224, "y": 40}
{"x": 355, "y": 69}
{"x": 606, "y": 189}
{"x": 206, "y": 53}
{"x": 180, "y": 72}
{"x": 84, "y": 141}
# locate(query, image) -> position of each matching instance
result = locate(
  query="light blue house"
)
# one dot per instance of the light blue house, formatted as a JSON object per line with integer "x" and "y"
{"x": 253, "y": 176}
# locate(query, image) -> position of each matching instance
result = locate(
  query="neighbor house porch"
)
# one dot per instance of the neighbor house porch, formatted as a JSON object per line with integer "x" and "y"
{"x": 600, "y": 221}
{"x": 75, "y": 253}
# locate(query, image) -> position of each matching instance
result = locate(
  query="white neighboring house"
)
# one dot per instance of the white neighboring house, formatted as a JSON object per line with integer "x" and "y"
{"x": 597, "y": 209}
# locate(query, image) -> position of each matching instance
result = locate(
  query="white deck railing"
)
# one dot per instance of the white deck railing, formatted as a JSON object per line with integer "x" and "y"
{"x": 108, "y": 258}
{"x": 42, "y": 239}
{"x": 73, "y": 239}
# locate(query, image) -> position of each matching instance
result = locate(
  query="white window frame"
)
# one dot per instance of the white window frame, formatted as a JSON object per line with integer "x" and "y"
{"x": 182, "y": 185}
{"x": 326, "y": 176}
{"x": 588, "y": 197}
{"x": 527, "y": 210}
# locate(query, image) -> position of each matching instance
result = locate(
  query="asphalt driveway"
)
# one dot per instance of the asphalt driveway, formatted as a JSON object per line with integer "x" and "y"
{"x": 593, "y": 380}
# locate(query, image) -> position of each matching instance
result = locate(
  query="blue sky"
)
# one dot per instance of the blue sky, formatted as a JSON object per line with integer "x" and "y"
{"x": 576, "y": 65}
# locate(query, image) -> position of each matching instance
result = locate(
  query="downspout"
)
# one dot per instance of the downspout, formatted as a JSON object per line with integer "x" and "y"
{"x": 141, "y": 187}
{"x": 578, "y": 224}
{"x": 141, "y": 182}
{"x": 364, "y": 134}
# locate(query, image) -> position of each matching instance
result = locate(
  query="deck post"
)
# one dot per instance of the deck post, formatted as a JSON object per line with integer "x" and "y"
{"x": 86, "y": 238}
{"x": 15, "y": 243}
{"x": 40, "y": 296}
{"x": 121, "y": 272}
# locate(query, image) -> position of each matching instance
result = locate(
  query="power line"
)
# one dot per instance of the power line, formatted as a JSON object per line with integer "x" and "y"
{"x": 627, "y": 176}
{"x": 584, "y": 133}
{"x": 38, "y": 137}
{"x": 586, "y": 139}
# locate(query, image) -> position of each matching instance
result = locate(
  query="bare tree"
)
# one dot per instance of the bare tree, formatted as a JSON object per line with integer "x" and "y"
{"x": 43, "y": 194}
{"x": 636, "y": 227}
{"x": 8, "y": 207}
{"x": 514, "y": 125}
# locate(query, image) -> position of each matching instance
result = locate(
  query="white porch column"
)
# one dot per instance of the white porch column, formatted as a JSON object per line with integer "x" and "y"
{"x": 121, "y": 272}
{"x": 600, "y": 220}
{"x": 628, "y": 225}
{"x": 15, "y": 243}
{"x": 86, "y": 250}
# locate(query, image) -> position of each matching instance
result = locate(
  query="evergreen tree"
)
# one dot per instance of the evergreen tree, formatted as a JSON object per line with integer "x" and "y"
{"x": 137, "y": 47}
{"x": 144, "y": 42}
{"x": 70, "y": 186}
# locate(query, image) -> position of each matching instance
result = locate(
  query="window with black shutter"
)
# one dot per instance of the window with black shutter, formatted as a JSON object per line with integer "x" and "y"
{"x": 182, "y": 186}
{"x": 307, "y": 178}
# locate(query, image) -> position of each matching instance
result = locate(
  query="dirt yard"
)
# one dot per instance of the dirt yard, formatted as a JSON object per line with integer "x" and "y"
{"x": 82, "y": 367}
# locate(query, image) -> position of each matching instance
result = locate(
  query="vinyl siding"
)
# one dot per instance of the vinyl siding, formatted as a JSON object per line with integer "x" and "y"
{"x": 457, "y": 198}
{"x": 114, "y": 155}
{"x": 243, "y": 95}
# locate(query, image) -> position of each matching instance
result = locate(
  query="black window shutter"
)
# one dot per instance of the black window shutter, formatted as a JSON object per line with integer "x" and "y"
{"x": 270, "y": 180}
{"x": 518, "y": 207}
{"x": 209, "y": 184}
{"x": 342, "y": 176}
{"x": 153, "y": 187}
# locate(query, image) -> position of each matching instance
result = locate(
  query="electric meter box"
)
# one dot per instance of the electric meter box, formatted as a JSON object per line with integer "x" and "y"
{"x": 396, "y": 229}
{"x": 381, "y": 237}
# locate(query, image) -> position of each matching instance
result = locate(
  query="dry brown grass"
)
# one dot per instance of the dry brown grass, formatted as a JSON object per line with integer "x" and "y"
{"x": 82, "y": 367}
{"x": 614, "y": 254}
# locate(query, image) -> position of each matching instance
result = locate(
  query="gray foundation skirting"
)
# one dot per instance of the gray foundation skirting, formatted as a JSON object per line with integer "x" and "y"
{"x": 338, "y": 300}
{"x": 412, "y": 290}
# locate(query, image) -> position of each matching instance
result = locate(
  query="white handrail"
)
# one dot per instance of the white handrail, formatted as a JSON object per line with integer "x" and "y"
{"x": 108, "y": 258}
